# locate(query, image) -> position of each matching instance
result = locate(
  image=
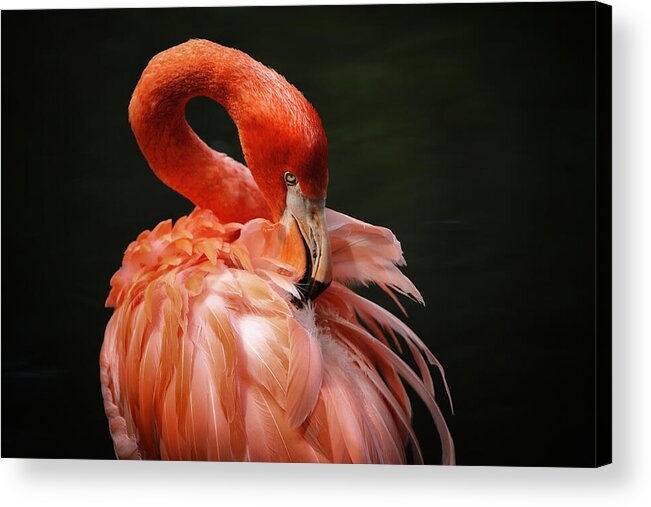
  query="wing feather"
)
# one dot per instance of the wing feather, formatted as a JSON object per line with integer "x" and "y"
{"x": 305, "y": 373}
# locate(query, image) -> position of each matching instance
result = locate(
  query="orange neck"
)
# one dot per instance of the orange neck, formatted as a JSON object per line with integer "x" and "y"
{"x": 272, "y": 118}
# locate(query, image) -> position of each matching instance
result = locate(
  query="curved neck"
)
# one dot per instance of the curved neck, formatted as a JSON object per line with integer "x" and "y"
{"x": 261, "y": 103}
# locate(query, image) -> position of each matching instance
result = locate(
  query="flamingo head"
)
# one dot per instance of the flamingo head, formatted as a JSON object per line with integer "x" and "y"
{"x": 288, "y": 158}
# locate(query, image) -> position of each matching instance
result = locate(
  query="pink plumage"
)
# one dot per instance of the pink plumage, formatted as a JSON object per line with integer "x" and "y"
{"x": 214, "y": 352}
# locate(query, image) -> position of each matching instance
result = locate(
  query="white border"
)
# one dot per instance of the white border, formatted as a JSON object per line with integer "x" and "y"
{"x": 627, "y": 482}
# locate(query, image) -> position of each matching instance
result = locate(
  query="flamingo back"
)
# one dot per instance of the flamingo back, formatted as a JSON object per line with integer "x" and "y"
{"x": 206, "y": 358}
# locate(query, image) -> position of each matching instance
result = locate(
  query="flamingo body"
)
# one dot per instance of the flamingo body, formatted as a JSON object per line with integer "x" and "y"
{"x": 207, "y": 355}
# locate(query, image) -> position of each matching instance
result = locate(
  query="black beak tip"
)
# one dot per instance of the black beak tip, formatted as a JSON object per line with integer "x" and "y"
{"x": 315, "y": 289}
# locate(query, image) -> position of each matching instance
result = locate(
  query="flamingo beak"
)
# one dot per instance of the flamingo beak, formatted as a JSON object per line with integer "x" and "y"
{"x": 309, "y": 215}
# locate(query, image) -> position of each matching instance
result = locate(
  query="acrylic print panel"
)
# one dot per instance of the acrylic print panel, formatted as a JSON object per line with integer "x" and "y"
{"x": 478, "y": 135}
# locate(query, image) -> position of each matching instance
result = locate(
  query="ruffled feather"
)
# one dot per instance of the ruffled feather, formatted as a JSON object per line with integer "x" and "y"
{"x": 206, "y": 358}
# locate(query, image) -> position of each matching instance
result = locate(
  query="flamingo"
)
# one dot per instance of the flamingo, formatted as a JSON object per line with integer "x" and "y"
{"x": 236, "y": 335}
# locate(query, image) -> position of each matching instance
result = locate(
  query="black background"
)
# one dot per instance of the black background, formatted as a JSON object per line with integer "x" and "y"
{"x": 468, "y": 130}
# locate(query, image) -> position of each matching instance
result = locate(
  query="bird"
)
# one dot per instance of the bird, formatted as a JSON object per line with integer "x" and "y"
{"x": 237, "y": 333}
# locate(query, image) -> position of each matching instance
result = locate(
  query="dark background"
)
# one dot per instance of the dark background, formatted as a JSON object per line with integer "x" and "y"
{"x": 468, "y": 130}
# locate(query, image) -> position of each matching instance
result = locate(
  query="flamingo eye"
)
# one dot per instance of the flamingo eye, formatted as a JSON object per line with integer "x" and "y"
{"x": 290, "y": 179}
